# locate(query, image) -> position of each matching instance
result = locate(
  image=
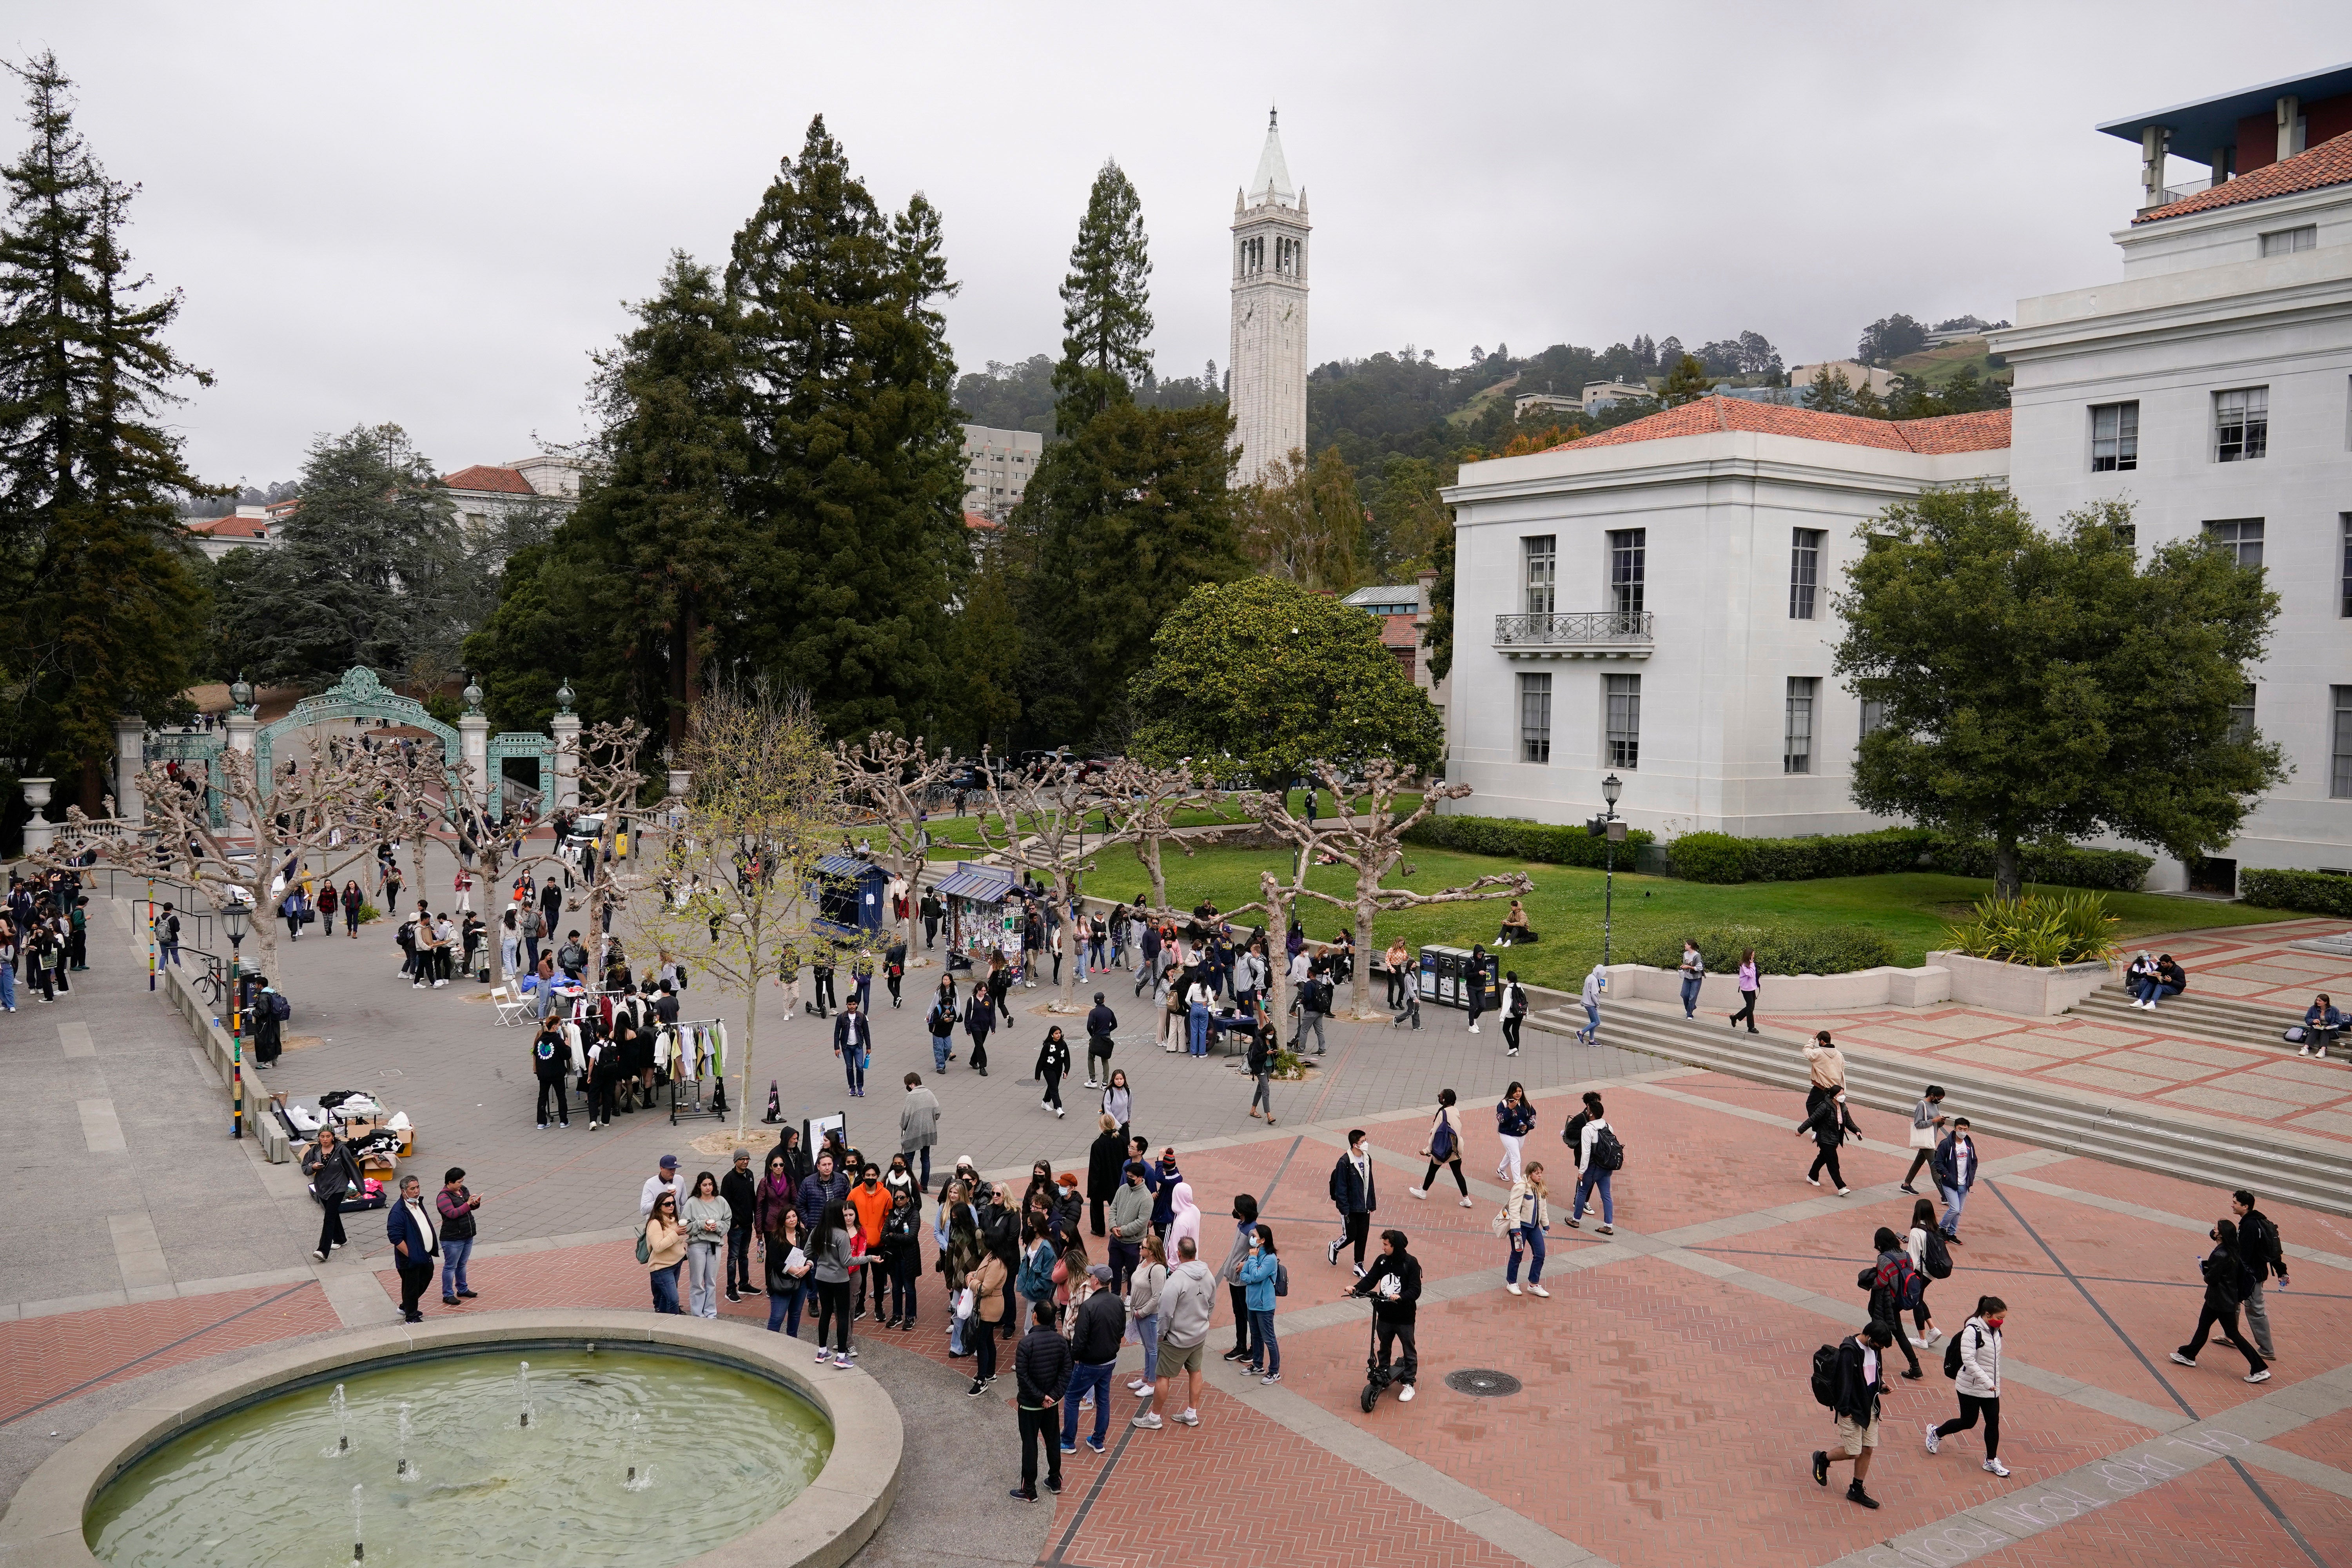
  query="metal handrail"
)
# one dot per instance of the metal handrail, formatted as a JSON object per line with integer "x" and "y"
{"x": 1574, "y": 626}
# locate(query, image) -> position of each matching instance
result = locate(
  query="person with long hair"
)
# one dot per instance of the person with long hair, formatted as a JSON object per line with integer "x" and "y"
{"x": 787, "y": 1277}
{"x": 1259, "y": 1272}
{"x": 1052, "y": 1061}
{"x": 1978, "y": 1382}
{"x": 1443, "y": 1148}
{"x": 707, "y": 1216}
{"x": 902, "y": 1254}
{"x": 1149, "y": 1283}
{"x": 1747, "y": 984}
{"x": 351, "y": 909}
{"x": 1923, "y": 1220}
{"x": 1527, "y": 1215}
{"x": 1118, "y": 1100}
{"x": 1514, "y": 1119}
{"x": 665, "y": 1251}
{"x": 832, "y": 1261}
{"x": 2228, "y": 1282}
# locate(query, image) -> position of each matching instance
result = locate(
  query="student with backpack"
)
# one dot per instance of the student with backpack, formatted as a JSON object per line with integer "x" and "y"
{"x": 1895, "y": 1287}
{"x": 1598, "y": 1156}
{"x": 1932, "y": 1259}
{"x": 1515, "y": 1011}
{"x": 1850, "y": 1378}
{"x": 1973, "y": 1362}
{"x": 1443, "y": 1148}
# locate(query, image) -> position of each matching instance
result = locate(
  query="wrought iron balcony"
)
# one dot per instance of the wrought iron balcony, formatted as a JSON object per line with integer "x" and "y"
{"x": 1578, "y": 634}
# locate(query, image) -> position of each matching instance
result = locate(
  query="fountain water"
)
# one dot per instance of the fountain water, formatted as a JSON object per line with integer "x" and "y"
{"x": 340, "y": 1410}
{"x": 640, "y": 1476}
{"x": 404, "y": 1470}
{"x": 522, "y": 1388}
{"x": 359, "y": 1547}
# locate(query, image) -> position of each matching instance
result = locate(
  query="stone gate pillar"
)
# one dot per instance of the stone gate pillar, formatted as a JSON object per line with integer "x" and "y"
{"x": 474, "y": 749}
{"x": 130, "y": 757}
{"x": 566, "y": 728}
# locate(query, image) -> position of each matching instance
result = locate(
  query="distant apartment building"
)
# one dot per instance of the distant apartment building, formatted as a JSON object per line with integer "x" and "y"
{"x": 997, "y": 468}
{"x": 480, "y": 494}
{"x": 1604, "y": 395}
{"x": 1857, "y": 375}
{"x": 1526, "y": 403}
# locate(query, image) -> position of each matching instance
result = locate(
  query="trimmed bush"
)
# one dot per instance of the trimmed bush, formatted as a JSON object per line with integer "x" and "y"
{"x": 2321, "y": 892}
{"x": 2052, "y": 865}
{"x": 1537, "y": 841}
{"x": 1719, "y": 857}
{"x": 1779, "y": 950}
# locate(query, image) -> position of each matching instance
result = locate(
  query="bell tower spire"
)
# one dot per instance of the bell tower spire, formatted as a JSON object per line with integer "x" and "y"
{"x": 1268, "y": 357}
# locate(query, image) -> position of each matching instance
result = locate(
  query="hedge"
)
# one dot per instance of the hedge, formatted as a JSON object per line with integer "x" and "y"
{"x": 1535, "y": 841}
{"x": 2051, "y": 864}
{"x": 1779, "y": 950}
{"x": 1721, "y": 857}
{"x": 2321, "y": 892}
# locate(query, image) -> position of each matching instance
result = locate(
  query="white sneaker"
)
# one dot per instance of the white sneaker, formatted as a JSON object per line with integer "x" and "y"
{"x": 1996, "y": 1467}
{"x": 1918, "y": 1343}
{"x": 1404, "y": 1394}
{"x": 1415, "y": 1192}
{"x": 1360, "y": 1271}
{"x": 1934, "y": 1437}
{"x": 1147, "y": 1421}
{"x": 1059, "y": 1111}
{"x": 1474, "y": 1028}
{"x": 1933, "y": 1335}
{"x": 1538, "y": 1290}
{"x": 1145, "y": 1390}
{"x": 1466, "y": 1203}
{"x": 1092, "y": 1084}
{"x": 1514, "y": 1289}
{"x": 1189, "y": 1417}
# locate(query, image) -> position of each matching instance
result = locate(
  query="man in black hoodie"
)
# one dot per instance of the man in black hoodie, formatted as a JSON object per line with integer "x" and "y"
{"x": 1101, "y": 1024}
{"x": 1095, "y": 1333}
{"x": 741, "y": 1192}
{"x": 1394, "y": 1282}
{"x": 1862, "y": 1379}
{"x": 1041, "y": 1371}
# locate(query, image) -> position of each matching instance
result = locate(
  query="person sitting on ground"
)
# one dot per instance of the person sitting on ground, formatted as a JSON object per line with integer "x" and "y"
{"x": 2169, "y": 979}
{"x": 2322, "y": 1025}
{"x": 1515, "y": 931}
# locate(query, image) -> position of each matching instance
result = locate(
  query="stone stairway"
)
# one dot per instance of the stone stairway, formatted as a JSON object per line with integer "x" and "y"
{"x": 2255, "y": 1025}
{"x": 2300, "y": 1168}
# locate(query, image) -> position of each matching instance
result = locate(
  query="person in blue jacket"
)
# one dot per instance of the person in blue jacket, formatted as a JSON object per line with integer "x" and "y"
{"x": 1259, "y": 1272}
{"x": 1956, "y": 1171}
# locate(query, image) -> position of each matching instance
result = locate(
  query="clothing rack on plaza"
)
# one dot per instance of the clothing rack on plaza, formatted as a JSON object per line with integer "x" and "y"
{"x": 690, "y": 1051}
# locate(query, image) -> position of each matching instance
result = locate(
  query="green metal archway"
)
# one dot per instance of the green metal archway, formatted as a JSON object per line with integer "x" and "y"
{"x": 358, "y": 695}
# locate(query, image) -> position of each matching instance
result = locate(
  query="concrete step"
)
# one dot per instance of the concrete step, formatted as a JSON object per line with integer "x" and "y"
{"x": 2072, "y": 1120}
{"x": 2253, "y": 1024}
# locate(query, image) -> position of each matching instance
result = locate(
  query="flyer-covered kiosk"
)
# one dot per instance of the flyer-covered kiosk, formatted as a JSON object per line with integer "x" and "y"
{"x": 983, "y": 917}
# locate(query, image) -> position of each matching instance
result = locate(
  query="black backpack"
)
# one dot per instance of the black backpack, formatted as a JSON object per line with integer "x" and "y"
{"x": 1608, "y": 1154}
{"x": 1952, "y": 1354}
{"x": 1825, "y": 1376}
{"x": 1938, "y": 1256}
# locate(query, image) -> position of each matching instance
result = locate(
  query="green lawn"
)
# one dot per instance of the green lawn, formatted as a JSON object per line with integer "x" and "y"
{"x": 961, "y": 830}
{"x": 1912, "y": 909}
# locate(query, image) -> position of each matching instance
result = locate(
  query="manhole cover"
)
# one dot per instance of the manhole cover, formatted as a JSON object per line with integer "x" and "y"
{"x": 1482, "y": 1380}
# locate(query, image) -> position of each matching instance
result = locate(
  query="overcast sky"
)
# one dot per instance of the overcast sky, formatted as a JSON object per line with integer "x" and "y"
{"x": 431, "y": 213}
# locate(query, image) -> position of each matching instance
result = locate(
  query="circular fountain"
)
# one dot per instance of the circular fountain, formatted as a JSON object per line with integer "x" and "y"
{"x": 511, "y": 1438}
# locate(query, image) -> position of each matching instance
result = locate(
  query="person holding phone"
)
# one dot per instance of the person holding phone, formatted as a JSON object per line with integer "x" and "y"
{"x": 707, "y": 1216}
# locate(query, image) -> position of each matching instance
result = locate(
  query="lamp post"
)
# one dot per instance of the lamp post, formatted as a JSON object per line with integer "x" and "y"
{"x": 1611, "y": 788}
{"x": 233, "y": 920}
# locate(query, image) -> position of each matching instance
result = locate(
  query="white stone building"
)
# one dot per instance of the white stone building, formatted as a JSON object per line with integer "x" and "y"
{"x": 1654, "y": 599}
{"x": 248, "y": 526}
{"x": 997, "y": 468}
{"x": 482, "y": 493}
{"x": 1268, "y": 357}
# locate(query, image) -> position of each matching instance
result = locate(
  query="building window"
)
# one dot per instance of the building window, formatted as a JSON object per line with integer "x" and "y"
{"x": 1804, "y": 571}
{"x": 1543, "y": 555}
{"x": 2242, "y": 715}
{"x": 2241, "y": 538}
{"x": 1873, "y": 716}
{"x": 2241, "y": 424}
{"x": 2344, "y": 519}
{"x": 1627, "y": 546}
{"x": 2286, "y": 241}
{"x": 2340, "y": 785}
{"x": 1535, "y": 717}
{"x": 1623, "y": 693}
{"x": 2115, "y": 437}
{"x": 1797, "y": 746}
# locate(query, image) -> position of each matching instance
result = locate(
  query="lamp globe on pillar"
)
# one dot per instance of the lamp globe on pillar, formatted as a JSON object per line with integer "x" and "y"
{"x": 233, "y": 920}
{"x": 1611, "y": 788}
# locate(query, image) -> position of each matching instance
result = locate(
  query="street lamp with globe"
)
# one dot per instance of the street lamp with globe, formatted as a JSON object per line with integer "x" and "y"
{"x": 1610, "y": 830}
{"x": 233, "y": 920}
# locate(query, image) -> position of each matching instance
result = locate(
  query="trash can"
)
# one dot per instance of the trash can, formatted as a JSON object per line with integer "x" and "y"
{"x": 1445, "y": 966}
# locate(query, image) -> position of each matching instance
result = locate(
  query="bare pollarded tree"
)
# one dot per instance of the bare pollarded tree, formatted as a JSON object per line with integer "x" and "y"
{"x": 1042, "y": 814}
{"x": 886, "y": 786}
{"x": 1140, "y": 806}
{"x": 1365, "y": 832}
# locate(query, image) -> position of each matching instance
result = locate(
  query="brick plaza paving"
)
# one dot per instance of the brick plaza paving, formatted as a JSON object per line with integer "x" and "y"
{"x": 1663, "y": 1417}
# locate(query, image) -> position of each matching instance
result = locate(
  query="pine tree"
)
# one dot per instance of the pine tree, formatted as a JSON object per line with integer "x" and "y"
{"x": 1105, "y": 313}
{"x": 1686, "y": 382}
{"x": 112, "y": 607}
{"x": 855, "y": 466}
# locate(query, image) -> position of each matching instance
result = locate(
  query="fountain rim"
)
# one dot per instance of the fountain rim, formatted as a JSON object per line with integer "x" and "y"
{"x": 822, "y": 1527}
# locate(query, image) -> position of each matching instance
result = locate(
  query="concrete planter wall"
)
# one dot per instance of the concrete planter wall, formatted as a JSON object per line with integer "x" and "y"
{"x": 219, "y": 1049}
{"x": 822, "y": 1527}
{"x": 1885, "y": 986}
{"x": 2016, "y": 988}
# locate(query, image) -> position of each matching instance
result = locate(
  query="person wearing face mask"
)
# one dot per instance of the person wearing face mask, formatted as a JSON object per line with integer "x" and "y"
{"x": 1131, "y": 1223}
{"x": 1978, "y": 1379}
{"x": 2228, "y": 1283}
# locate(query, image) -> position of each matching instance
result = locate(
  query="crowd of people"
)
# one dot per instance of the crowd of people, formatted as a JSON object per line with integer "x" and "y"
{"x": 43, "y": 935}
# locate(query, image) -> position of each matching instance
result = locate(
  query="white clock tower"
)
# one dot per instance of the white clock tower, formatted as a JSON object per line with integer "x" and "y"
{"x": 1269, "y": 360}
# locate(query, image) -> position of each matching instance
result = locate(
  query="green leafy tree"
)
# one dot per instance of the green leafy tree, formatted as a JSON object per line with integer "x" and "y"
{"x": 988, "y": 644}
{"x": 360, "y": 568}
{"x": 1268, "y": 677}
{"x": 1686, "y": 382}
{"x": 856, "y": 473}
{"x": 1407, "y": 514}
{"x": 1889, "y": 338}
{"x": 2046, "y": 685}
{"x": 110, "y": 607}
{"x": 1437, "y": 637}
{"x": 1304, "y": 523}
{"x": 1830, "y": 393}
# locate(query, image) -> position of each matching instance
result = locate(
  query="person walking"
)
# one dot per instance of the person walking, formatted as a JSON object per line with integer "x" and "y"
{"x": 1146, "y": 1289}
{"x": 456, "y": 1208}
{"x": 2228, "y": 1282}
{"x": 1514, "y": 1119}
{"x": 1473, "y": 984}
{"x": 1956, "y": 1171}
{"x": 1748, "y": 988}
{"x": 1829, "y": 1124}
{"x": 852, "y": 1042}
{"x": 415, "y": 1246}
{"x": 1925, "y": 1245}
{"x": 941, "y": 1023}
{"x": 1599, "y": 1155}
{"x": 1394, "y": 1286}
{"x": 1185, "y": 1307}
{"x": 821, "y": 999}
{"x": 1515, "y": 1011}
{"x": 740, "y": 1190}
{"x": 1896, "y": 1287}
{"x": 1927, "y": 1123}
{"x": 1443, "y": 1148}
{"x": 334, "y": 1176}
{"x": 1052, "y": 1061}
{"x": 2265, "y": 1252}
{"x": 1397, "y": 962}
{"x": 1261, "y": 1069}
{"x": 979, "y": 1018}
{"x": 663, "y": 1244}
{"x": 1096, "y": 1329}
{"x": 351, "y": 909}
{"x": 1527, "y": 1215}
{"x": 832, "y": 1259}
{"x": 1596, "y": 982}
{"x": 1693, "y": 970}
{"x": 1261, "y": 1273}
{"x": 1101, "y": 1024}
{"x": 706, "y": 1218}
{"x": 1355, "y": 1194}
{"x": 1119, "y": 1101}
{"x": 1861, "y": 1384}
{"x": 1041, "y": 1373}
{"x": 1977, "y": 1380}
{"x": 1131, "y": 1223}
{"x": 785, "y": 1269}
{"x": 788, "y": 979}
{"x": 1826, "y": 1063}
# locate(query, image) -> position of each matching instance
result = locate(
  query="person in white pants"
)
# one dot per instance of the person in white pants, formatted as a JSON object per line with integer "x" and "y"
{"x": 1514, "y": 1119}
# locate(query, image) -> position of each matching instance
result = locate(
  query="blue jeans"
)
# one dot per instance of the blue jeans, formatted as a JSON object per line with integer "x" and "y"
{"x": 784, "y": 1312}
{"x": 1690, "y": 996}
{"x": 1147, "y": 1329}
{"x": 1199, "y": 1029}
{"x": 1584, "y": 1185}
{"x": 1085, "y": 1375}
{"x": 666, "y": 1288}
{"x": 852, "y": 1065}
{"x": 453, "y": 1264}
{"x": 1592, "y": 1021}
{"x": 2153, "y": 989}
{"x": 1531, "y": 1239}
{"x": 8, "y": 986}
{"x": 939, "y": 1044}
{"x": 1955, "y": 1200}
{"x": 1267, "y": 1346}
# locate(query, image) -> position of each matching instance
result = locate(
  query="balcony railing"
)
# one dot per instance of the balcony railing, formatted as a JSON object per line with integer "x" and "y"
{"x": 1571, "y": 630}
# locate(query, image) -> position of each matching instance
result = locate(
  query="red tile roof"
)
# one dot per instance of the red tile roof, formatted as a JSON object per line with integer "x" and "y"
{"x": 483, "y": 477}
{"x": 974, "y": 520}
{"x": 1982, "y": 432}
{"x": 1399, "y": 631}
{"x": 232, "y": 526}
{"x": 2329, "y": 163}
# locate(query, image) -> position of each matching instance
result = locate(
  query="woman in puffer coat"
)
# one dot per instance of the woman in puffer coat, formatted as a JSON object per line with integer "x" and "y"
{"x": 1978, "y": 1382}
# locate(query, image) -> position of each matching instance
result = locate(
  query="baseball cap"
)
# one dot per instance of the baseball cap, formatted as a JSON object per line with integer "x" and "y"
{"x": 1101, "y": 1273}
{"x": 669, "y": 1162}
